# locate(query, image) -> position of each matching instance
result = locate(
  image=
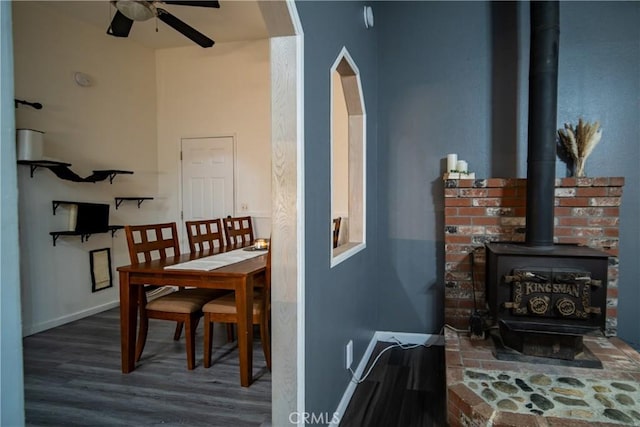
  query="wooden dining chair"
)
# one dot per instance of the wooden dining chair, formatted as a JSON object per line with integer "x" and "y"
{"x": 223, "y": 310}
{"x": 336, "y": 231}
{"x": 159, "y": 241}
{"x": 238, "y": 231}
{"x": 204, "y": 234}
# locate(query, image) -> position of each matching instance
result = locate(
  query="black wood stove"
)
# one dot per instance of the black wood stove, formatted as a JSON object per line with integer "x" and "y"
{"x": 543, "y": 296}
{"x": 546, "y": 299}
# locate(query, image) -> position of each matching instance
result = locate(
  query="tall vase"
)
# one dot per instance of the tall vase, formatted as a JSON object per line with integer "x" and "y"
{"x": 579, "y": 171}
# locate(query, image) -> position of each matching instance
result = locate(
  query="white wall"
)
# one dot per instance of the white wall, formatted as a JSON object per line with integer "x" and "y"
{"x": 133, "y": 117}
{"x": 110, "y": 125}
{"x": 340, "y": 149}
{"x": 220, "y": 91}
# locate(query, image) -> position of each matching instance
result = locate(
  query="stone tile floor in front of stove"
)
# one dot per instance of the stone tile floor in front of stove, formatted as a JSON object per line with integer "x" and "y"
{"x": 588, "y": 399}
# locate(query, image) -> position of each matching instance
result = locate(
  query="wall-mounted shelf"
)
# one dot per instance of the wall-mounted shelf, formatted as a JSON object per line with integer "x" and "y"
{"x": 84, "y": 235}
{"x": 119, "y": 200}
{"x": 101, "y": 175}
{"x": 35, "y": 164}
{"x": 56, "y": 203}
{"x": 62, "y": 171}
{"x": 85, "y": 219}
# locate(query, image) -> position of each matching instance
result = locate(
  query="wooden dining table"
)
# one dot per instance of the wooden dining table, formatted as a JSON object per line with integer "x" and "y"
{"x": 240, "y": 277}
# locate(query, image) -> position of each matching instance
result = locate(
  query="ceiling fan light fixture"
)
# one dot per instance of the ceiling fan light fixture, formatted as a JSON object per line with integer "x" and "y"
{"x": 136, "y": 10}
{"x": 129, "y": 11}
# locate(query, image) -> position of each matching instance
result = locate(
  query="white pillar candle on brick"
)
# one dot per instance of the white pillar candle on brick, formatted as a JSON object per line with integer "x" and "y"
{"x": 461, "y": 166}
{"x": 452, "y": 162}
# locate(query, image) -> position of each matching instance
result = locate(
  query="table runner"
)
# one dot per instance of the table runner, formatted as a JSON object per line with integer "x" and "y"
{"x": 216, "y": 261}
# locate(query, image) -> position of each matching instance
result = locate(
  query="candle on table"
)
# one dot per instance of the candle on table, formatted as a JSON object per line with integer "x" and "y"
{"x": 461, "y": 166}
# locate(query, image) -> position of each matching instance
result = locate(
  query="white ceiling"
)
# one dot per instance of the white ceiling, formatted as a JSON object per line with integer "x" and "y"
{"x": 235, "y": 20}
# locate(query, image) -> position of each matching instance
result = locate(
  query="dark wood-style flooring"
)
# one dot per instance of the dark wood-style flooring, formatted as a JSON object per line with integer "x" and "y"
{"x": 72, "y": 377}
{"x": 405, "y": 388}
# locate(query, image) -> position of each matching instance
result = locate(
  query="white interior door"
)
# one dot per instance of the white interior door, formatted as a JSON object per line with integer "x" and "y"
{"x": 207, "y": 178}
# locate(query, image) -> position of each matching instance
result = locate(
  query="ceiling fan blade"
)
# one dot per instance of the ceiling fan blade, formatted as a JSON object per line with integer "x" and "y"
{"x": 215, "y": 4}
{"x": 184, "y": 28}
{"x": 120, "y": 25}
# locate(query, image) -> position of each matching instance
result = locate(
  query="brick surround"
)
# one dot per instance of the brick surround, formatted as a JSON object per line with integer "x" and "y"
{"x": 489, "y": 210}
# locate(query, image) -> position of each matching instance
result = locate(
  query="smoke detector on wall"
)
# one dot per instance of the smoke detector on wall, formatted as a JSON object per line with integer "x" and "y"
{"x": 82, "y": 79}
{"x": 368, "y": 17}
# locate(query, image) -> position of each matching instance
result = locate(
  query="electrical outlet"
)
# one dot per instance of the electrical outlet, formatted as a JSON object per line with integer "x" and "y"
{"x": 349, "y": 353}
{"x": 244, "y": 206}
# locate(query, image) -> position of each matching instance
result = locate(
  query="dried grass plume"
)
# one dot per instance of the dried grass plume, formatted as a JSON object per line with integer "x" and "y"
{"x": 579, "y": 142}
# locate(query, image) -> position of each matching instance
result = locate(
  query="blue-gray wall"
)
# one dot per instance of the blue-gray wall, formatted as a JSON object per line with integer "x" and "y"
{"x": 453, "y": 79}
{"x": 438, "y": 78}
{"x": 341, "y": 302}
{"x": 11, "y": 380}
{"x": 433, "y": 99}
{"x": 599, "y": 78}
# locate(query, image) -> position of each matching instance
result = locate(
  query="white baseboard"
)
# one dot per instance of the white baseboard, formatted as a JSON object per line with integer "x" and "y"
{"x": 351, "y": 388}
{"x": 39, "y": 327}
{"x": 385, "y": 336}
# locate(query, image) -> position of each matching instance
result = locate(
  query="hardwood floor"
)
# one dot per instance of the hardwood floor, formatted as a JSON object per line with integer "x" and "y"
{"x": 72, "y": 378}
{"x": 405, "y": 388}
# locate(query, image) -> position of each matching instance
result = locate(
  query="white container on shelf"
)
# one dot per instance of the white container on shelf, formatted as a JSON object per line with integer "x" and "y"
{"x": 30, "y": 144}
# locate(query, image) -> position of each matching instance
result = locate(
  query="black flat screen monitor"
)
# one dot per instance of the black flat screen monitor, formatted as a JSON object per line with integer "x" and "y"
{"x": 92, "y": 218}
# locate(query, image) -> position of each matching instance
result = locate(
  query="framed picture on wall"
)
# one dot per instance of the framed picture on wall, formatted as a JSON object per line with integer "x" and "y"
{"x": 100, "y": 260}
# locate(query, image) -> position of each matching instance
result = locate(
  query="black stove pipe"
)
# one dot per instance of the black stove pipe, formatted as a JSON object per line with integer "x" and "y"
{"x": 543, "y": 95}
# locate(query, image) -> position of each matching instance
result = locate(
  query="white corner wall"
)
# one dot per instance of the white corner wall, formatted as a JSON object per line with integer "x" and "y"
{"x": 110, "y": 125}
{"x": 339, "y": 150}
{"x": 221, "y": 91}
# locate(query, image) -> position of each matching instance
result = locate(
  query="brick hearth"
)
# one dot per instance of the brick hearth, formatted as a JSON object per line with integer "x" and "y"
{"x": 489, "y": 210}
{"x": 483, "y": 391}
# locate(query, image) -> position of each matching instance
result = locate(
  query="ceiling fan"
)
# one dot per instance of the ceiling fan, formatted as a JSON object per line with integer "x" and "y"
{"x": 142, "y": 10}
